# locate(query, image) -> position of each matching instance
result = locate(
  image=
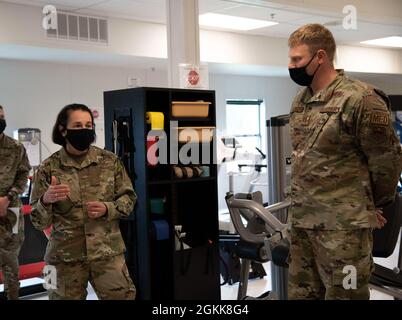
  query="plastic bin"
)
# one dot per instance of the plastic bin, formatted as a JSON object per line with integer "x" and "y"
{"x": 190, "y": 109}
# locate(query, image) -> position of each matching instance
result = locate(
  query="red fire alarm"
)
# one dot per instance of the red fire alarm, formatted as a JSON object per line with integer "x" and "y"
{"x": 193, "y": 77}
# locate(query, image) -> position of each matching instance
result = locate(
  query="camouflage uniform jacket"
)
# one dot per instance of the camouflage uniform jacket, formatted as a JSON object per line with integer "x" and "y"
{"x": 14, "y": 171}
{"x": 100, "y": 177}
{"x": 346, "y": 157}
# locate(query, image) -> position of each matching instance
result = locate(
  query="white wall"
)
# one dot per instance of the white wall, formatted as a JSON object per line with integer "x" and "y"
{"x": 369, "y": 59}
{"x": 32, "y": 93}
{"x": 229, "y": 47}
{"x": 277, "y": 93}
{"x": 389, "y": 86}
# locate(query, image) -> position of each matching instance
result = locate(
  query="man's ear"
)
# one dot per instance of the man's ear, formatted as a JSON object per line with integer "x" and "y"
{"x": 322, "y": 56}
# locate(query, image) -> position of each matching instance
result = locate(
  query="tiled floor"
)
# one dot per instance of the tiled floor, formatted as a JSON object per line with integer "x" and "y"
{"x": 256, "y": 287}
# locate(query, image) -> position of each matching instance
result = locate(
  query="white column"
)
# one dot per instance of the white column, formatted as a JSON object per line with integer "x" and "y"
{"x": 183, "y": 37}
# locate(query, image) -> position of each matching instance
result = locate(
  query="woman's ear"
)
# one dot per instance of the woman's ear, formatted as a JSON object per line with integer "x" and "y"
{"x": 62, "y": 131}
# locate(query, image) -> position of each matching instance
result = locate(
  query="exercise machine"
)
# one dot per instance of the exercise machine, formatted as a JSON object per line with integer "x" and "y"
{"x": 263, "y": 237}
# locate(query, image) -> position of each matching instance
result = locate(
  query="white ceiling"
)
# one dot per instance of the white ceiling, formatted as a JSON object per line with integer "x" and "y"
{"x": 374, "y": 19}
{"x": 373, "y": 22}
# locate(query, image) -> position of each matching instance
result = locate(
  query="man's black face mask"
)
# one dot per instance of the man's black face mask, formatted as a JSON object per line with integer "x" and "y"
{"x": 300, "y": 75}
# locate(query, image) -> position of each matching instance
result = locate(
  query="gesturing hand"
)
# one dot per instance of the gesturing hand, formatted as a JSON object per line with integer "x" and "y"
{"x": 56, "y": 192}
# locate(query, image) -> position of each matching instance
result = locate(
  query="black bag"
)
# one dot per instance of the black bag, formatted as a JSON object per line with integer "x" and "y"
{"x": 385, "y": 239}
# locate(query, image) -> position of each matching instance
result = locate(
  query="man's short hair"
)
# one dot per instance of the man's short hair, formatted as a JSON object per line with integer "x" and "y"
{"x": 1, "y": 107}
{"x": 316, "y": 37}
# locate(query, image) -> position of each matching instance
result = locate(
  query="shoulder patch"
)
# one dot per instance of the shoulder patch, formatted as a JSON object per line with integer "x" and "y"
{"x": 379, "y": 118}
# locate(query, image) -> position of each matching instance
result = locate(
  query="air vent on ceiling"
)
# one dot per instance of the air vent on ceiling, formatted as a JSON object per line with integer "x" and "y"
{"x": 334, "y": 23}
{"x": 77, "y": 27}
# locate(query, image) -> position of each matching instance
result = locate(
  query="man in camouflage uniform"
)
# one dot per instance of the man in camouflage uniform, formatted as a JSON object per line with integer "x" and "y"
{"x": 14, "y": 171}
{"x": 346, "y": 161}
{"x": 85, "y": 243}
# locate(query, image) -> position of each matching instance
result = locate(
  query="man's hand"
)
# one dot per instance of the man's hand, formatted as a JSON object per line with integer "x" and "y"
{"x": 96, "y": 209}
{"x": 56, "y": 192}
{"x": 381, "y": 220}
{"x": 4, "y": 203}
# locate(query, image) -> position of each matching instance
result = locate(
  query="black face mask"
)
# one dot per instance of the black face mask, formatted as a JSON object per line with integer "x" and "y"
{"x": 80, "y": 139}
{"x": 300, "y": 75}
{"x": 3, "y": 125}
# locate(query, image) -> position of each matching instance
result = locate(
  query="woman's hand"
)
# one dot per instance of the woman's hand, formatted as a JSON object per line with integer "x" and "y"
{"x": 96, "y": 209}
{"x": 4, "y": 203}
{"x": 55, "y": 192}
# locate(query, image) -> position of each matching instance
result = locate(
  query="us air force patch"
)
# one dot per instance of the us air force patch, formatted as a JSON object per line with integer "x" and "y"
{"x": 379, "y": 118}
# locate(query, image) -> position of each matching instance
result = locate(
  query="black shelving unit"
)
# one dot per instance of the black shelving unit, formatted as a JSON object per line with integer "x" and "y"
{"x": 160, "y": 267}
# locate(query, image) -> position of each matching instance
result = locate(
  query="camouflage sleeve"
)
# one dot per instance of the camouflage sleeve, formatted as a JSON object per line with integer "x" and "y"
{"x": 124, "y": 194}
{"x": 380, "y": 145}
{"x": 22, "y": 174}
{"x": 41, "y": 215}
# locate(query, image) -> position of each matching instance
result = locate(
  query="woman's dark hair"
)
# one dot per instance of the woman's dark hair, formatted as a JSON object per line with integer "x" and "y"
{"x": 62, "y": 120}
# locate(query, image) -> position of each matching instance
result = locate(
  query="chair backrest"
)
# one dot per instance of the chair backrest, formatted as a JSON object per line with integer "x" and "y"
{"x": 254, "y": 223}
{"x": 253, "y": 232}
{"x": 256, "y": 230}
{"x": 262, "y": 228}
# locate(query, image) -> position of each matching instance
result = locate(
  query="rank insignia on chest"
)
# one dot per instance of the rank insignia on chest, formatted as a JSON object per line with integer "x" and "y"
{"x": 338, "y": 94}
{"x": 329, "y": 110}
{"x": 379, "y": 119}
{"x": 306, "y": 120}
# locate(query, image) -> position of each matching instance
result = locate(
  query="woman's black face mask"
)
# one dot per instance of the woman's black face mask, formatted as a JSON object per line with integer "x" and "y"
{"x": 80, "y": 139}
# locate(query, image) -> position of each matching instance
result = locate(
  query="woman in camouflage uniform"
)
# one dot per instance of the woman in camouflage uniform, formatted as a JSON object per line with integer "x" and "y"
{"x": 82, "y": 191}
